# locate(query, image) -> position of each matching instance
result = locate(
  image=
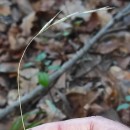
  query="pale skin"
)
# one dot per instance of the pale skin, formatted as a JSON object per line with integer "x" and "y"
{"x": 88, "y": 123}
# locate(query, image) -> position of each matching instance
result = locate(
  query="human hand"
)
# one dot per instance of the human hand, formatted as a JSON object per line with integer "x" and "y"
{"x": 88, "y": 123}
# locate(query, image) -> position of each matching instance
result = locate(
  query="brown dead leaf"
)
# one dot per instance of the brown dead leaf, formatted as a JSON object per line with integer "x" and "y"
{"x": 124, "y": 38}
{"x": 111, "y": 97}
{"x": 47, "y": 4}
{"x": 3, "y": 82}
{"x": 15, "y": 40}
{"x": 53, "y": 113}
{"x": 3, "y": 101}
{"x": 36, "y": 5}
{"x": 77, "y": 101}
{"x": 5, "y": 125}
{"x": 2, "y": 27}
{"x": 93, "y": 22}
{"x": 62, "y": 26}
{"x": 61, "y": 83}
{"x": 123, "y": 62}
{"x": 117, "y": 72}
{"x": 12, "y": 96}
{"x": 33, "y": 115}
{"x": 86, "y": 66}
{"x": 127, "y": 75}
{"x": 91, "y": 25}
{"x": 123, "y": 80}
{"x": 4, "y": 2}
{"x": 27, "y": 85}
{"x": 5, "y": 57}
{"x": 110, "y": 114}
{"x": 25, "y": 6}
{"x": 27, "y": 24}
{"x": 80, "y": 100}
{"x": 55, "y": 46}
{"x": 5, "y": 10}
{"x": 16, "y": 14}
{"x": 104, "y": 17}
{"x": 96, "y": 109}
{"x": 109, "y": 46}
{"x": 118, "y": 3}
{"x": 28, "y": 79}
{"x": 83, "y": 37}
{"x": 125, "y": 116}
{"x": 94, "y": 3}
{"x": 29, "y": 72}
{"x": 33, "y": 22}
{"x": 8, "y": 67}
{"x": 127, "y": 47}
{"x": 71, "y": 7}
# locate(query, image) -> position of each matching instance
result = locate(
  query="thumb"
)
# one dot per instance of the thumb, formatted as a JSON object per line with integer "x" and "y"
{"x": 88, "y": 123}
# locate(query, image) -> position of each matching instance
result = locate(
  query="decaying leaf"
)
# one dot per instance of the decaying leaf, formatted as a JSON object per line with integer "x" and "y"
{"x": 12, "y": 96}
{"x": 53, "y": 113}
{"x": 25, "y": 6}
{"x": 28, "y": 79}
{"x": 123, "y": 62}
{"x": 8, "y": 67}
{"x": 109, "y": 46}
{"x": 88, "y": 88}
{"x": 104, "y": 17}
{"x": 3, "y": 101}
{"x": 29, "y": 72}
{"x": 28, "y": 23}
{"x": 47, "y": 4}
{"x": 71, "y": 7}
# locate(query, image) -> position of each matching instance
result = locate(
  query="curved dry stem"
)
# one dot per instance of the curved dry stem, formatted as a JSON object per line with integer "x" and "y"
{"x": 18, "y": 76}
{"x": 19, "y": 65}
{"x": 45, "y": 27}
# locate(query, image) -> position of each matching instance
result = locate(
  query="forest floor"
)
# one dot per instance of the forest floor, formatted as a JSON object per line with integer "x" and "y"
{"x": 94, "y": 81}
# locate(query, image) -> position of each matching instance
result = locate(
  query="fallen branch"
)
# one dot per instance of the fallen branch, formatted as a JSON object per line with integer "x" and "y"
{"x": 38, "y": 90}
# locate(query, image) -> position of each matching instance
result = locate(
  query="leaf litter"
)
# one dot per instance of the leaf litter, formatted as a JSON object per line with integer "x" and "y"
{"x": 101, "y": 77}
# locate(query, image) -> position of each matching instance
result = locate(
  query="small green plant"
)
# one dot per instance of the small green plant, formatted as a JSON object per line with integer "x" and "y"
{"x": 43, "y": 76}
{"x": 125, "y": 105}
{"x": 43, "y": 79}
{"x": 17, "y": 124}
{"x": 41, "y": 57}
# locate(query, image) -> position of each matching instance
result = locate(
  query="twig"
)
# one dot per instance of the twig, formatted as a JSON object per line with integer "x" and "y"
{"x": 38, "y": 90}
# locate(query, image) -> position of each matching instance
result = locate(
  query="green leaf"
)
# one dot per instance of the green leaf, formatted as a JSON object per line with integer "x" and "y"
{"x": 17, "y": 124}
{"x": 78, "y": 23}
{"x": 27, "y": 65}
{"x": 123, "y": 106}
{"x": 53, "y": 67}
{"x": 66, "y": 33}
{"x": 43, "y": 79}
{"x": 34, "y": 124}
{"x": 127, "y": 98}
{"x": 48, "y": 62}
{"x": 41, "y": 57}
